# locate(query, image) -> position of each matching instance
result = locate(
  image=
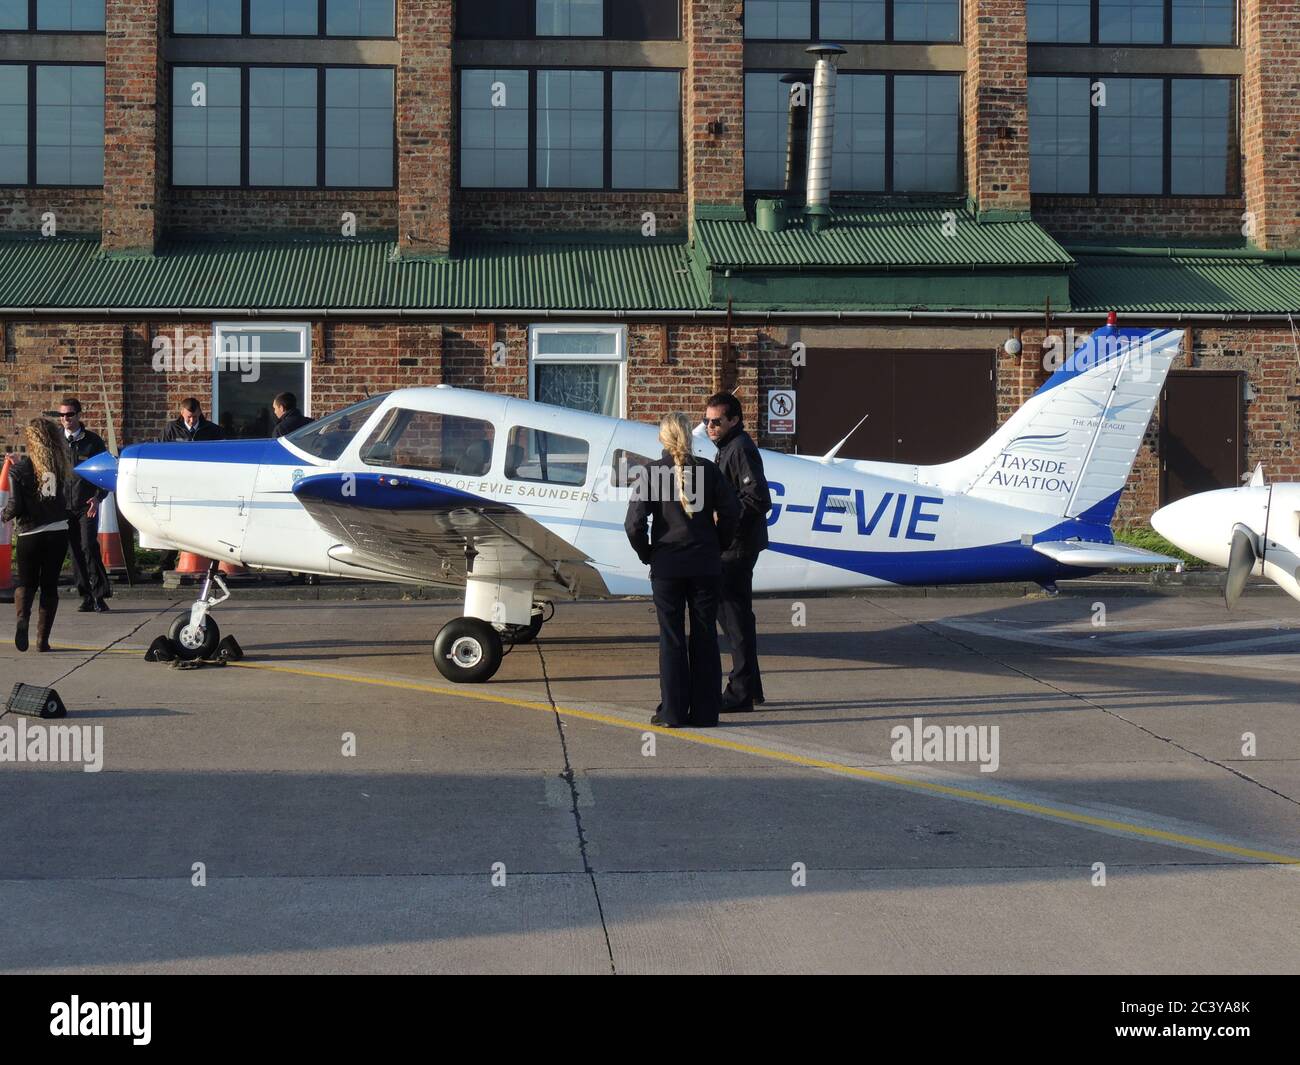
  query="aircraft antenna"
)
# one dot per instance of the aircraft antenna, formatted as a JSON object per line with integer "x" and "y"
{"x": 836, "y": 449}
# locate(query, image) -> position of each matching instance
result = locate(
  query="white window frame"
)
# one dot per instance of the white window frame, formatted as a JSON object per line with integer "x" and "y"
{"x": 220, "y": 330}
{"x": 619, "y": 357}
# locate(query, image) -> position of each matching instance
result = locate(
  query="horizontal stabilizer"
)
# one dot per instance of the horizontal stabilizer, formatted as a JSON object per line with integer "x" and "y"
{"x": 1101, "y": 556}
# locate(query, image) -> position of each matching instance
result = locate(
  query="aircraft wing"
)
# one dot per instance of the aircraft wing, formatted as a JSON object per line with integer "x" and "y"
{"x": 407, "y": 527}
{"x": 1101, "y": 556}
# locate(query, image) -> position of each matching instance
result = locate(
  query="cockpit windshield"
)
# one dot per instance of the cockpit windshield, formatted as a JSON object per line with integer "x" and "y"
{"x": 329, "y": 437}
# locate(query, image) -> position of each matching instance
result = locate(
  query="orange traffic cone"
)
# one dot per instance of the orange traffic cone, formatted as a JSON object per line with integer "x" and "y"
{"x": 6, "y": 537}
{"x": 189, "y": 569}
{"x": 110, "y": 539}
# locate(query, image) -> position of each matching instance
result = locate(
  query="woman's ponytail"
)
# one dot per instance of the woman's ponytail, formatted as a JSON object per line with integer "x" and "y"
{"x": 675, "y": 435}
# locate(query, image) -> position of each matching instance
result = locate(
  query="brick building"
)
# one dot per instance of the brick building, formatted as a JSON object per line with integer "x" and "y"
{"x": 562, "y": 199}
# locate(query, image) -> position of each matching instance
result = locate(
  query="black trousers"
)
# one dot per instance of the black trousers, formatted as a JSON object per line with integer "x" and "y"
{"x": 736, "y": 615}
{"x": 690, "y": 671}
{"x": 87, "y": 565}
{"x": 40, "y": 560}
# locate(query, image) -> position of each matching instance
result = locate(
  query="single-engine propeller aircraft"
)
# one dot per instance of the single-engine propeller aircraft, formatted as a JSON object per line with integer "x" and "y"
{"x": 522, "y": 503}
{"x": 1254, "y": 529}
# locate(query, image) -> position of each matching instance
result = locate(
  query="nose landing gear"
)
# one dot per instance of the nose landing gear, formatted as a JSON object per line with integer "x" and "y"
{"x": 195, "y": 634}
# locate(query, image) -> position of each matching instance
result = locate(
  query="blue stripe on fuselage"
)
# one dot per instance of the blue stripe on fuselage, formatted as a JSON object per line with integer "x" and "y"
{"x": 1010, "y": 561}
{"x": 234, "y": 452}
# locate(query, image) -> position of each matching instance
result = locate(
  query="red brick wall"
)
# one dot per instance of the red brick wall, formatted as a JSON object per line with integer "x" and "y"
{"x": 714, "y": 82}
{"x": 996, "y": 104}
{"x": 132, "y": 75}
{"x": 45, "y": 361}
{"x": 424, "y": 130}
{"x": 76, "y": 211}
{"x": 246, "y": 212}
{"x": 1270, "y": 132}
{"x": 1091, "y": 218}
{"x": 560, "y": 212}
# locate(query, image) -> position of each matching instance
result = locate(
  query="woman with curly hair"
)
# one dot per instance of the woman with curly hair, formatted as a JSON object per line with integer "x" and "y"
{"x": 38, "y": 508}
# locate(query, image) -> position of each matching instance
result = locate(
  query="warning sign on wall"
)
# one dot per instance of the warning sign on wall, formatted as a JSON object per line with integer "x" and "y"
{"x": 780, "y": 411}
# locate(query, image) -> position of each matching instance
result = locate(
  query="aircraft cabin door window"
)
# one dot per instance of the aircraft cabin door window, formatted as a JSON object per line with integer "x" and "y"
{"x": 548, "y": 458}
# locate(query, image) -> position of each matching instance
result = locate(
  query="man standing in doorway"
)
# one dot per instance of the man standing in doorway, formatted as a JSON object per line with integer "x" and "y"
{"x": 83, "y": 503}
{"x": 741, "y": 464}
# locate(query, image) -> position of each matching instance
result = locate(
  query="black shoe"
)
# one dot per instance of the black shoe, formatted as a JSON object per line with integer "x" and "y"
{"x": 101, "y": 607}
{"x": 736, "y": 706}
{"x": 20, "y": 636}
{"x": 658, "y": 719}
{"x": 87, "y": 606}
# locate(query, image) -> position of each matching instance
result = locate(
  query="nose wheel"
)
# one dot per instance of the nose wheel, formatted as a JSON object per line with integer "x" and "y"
{"x": 194, "y": 641}
{"x": 468, "y": 651}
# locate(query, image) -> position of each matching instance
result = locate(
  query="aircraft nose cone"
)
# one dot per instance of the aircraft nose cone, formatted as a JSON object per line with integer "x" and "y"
{"x": 1173, "y": 521}
{"x": 100, "y": 470}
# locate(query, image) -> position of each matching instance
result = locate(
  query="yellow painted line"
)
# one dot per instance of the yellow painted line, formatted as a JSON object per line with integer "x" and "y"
{"x": 706, "y": 739}
{"x": 709, "y": 740}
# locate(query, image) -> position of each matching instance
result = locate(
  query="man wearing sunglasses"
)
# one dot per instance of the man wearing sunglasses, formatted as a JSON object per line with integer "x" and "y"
{"x": 83, "y": 500}
{"x": 741, "y": 464}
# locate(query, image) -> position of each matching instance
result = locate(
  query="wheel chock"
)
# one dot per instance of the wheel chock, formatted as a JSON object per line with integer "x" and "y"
{"x": 161, "y": 650}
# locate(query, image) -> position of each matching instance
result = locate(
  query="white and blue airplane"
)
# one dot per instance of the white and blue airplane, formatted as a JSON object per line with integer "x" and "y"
{"x": 521, "y": 503}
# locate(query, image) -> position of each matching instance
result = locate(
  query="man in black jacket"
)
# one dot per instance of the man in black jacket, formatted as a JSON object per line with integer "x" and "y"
{"x": 83, "y": 504}
{"x": 287, "y": 415}
{"x": 191, "y": 425}
{"x": 742, "y": 466}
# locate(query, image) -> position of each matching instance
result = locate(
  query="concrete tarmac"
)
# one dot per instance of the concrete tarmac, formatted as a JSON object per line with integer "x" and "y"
{"x": 333, "y": 805}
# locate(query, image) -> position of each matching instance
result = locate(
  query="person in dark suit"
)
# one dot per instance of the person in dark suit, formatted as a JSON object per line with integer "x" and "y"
{"x": 288, "y": 417}
{"x": 83, "y": 500}
{"x": 191, "y": 426}
{"x": 692, "y": 515}
{"x": 742, "y": 466}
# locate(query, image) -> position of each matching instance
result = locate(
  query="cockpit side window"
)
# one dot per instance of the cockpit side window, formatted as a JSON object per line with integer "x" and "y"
{"x": 327, "y": 438}
{"x": 434, "y": 443}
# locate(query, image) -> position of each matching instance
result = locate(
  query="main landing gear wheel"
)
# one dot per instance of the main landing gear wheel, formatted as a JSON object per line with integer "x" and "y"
{"x": 468, "y": 651}
{"x": 194, "y": 642}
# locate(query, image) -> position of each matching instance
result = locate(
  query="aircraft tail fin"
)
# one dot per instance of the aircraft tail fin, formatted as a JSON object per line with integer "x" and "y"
{"x": 1069, "y": 449}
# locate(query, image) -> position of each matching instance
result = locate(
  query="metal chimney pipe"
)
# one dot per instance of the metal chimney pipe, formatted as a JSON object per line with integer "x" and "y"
{"x": 796, "y": 137}
{"x": 821, "y": 135}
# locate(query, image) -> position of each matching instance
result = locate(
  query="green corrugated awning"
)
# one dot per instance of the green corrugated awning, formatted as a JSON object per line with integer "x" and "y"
{"x": 1185, "y": 285}
{"x": 896, "y": 237}
{"x": 34, "y": 271}
{"x": 294, "y": 274}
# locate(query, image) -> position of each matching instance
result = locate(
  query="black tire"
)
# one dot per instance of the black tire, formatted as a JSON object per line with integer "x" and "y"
{"x": 526, "y": 633}
{"x": 468, "y": 651}
{"x": 188, "y": 649}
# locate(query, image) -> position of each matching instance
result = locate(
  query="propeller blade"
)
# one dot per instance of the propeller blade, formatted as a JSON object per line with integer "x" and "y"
{"x": 1241, "y": 560}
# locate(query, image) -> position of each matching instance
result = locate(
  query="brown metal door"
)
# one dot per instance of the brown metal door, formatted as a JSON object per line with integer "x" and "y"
{"x": 945, "y": 405}
{"x": 834, "y": 390}
{"x": 924, "y": 406}
{"x": 1201, "y": 429}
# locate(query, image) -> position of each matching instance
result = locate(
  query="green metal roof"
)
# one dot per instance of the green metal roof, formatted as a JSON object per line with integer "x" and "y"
{"x": 559, "y": 274}
{"x": 599, "y": 275}
{"x": 887, "y": 236}
{"x": 32, "y": 271}
{"x": 1185, "y": 284}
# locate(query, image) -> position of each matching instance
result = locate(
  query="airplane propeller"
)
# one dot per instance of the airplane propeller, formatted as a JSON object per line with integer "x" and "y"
{"x": 1241, "y": 561}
